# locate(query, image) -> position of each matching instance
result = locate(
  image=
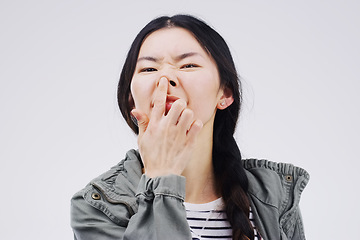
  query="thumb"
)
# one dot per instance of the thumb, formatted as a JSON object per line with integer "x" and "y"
{"x": 142, "y": 120}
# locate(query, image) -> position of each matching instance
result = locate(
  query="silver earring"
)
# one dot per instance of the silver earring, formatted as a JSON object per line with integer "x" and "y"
{"x": 222, "y": 104}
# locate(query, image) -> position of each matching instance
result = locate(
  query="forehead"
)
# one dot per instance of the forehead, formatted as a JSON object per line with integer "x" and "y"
{"x": 175, "y": 40}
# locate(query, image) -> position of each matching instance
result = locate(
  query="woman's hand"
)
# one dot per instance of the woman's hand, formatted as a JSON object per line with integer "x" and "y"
{"x": 166, "y": 142}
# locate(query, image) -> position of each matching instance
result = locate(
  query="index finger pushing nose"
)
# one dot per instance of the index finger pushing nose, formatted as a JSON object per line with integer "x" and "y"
{"x": 160, "y": 98}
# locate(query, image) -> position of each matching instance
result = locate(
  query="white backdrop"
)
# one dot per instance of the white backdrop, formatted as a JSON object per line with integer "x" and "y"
{"x": 60, "y": 125}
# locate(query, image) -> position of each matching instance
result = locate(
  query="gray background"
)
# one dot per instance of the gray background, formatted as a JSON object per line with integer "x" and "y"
{"x": 60, "y": 126}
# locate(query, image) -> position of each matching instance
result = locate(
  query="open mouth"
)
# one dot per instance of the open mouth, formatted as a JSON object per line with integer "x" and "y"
{"x": 169, "y": 102}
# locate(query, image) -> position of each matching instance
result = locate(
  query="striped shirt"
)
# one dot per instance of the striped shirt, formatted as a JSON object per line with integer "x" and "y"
{"x": 209, "y": 221}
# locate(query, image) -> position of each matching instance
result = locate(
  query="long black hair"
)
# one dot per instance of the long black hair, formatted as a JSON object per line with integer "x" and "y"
{"x": 229, "y": 174}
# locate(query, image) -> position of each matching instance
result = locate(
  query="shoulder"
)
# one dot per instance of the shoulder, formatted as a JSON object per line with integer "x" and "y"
{"x": 274, "y": 183}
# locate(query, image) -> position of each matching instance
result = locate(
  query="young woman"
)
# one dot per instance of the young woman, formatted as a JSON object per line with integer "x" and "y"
{"x": 180, "y": 92}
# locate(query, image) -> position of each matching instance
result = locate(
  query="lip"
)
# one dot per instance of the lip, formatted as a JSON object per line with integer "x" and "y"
{"x": 169, "y": 102}
{"x": 170, "y": 98}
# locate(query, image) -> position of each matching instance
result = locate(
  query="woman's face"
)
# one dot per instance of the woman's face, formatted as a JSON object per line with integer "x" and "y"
{"x": 192, "y": 74}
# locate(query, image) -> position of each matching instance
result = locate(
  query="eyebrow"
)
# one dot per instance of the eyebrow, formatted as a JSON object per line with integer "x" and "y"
{"x": 148, "y": 58}
{"x": 186, "y": 55}
{"x": 177, "y": 58}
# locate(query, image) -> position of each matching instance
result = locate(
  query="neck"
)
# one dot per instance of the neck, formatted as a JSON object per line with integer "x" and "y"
{"x": 200, "y": 181}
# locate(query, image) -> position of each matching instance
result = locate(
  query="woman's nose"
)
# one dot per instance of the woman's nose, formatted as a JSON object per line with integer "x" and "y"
{"x": 172, "y": 83}
{"x": 173, "y": 80}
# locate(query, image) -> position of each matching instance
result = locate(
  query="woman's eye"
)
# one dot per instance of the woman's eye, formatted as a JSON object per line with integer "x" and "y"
{"x": 148, "y": 70}
{"x": 190, "y": 65}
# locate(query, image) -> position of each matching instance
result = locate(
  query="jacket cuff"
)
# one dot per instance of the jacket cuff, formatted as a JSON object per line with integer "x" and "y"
{"x": 170, "y": 185}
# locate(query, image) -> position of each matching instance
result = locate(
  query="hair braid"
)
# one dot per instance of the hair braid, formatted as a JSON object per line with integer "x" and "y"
{"x": 231, "y": 178}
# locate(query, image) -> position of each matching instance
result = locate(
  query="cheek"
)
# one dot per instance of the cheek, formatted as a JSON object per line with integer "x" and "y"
{"x": 204, "y": 82}
{"x": 206, "y": 85}
{"x": 203, "y": 92}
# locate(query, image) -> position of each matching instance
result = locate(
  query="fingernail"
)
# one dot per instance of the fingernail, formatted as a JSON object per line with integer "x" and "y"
{"x": 164, "y": 79}
{"x": 158, "y": 82}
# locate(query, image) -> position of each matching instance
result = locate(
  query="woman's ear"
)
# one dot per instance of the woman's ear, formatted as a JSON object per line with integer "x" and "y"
{"x": 226, "y": 99}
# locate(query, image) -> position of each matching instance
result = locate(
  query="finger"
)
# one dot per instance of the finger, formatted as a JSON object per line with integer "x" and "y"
{"x": 186, "y": 120}
{"x": 194, "y": 131}
{"x": 142, "y": 120}
{"x": 176, "y": 111}
{"x": 160, "y": 99}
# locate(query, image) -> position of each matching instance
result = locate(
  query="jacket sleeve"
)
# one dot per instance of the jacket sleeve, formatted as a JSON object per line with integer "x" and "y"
{"x": 89, "y": 222}
{"x": 160, "y": 213}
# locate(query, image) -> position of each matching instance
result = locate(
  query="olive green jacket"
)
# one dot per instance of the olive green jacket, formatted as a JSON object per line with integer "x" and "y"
{"x": 124, "y": 204}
